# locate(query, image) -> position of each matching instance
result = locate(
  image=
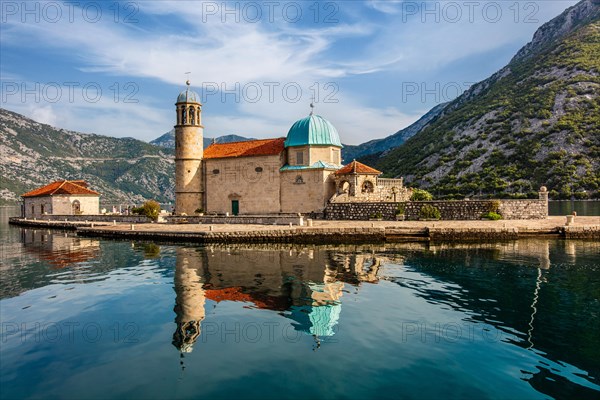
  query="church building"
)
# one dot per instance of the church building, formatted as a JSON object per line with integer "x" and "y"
{"x": 299, "y": 173}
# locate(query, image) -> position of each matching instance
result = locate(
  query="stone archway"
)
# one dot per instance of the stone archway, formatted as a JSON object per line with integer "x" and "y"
{"x": 344, "y": 187}
{"x": 367, "y": 187}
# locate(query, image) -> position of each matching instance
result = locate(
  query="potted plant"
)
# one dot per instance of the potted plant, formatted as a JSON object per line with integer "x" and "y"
{"x": 199, "y": 211}
{"x": 400, "y": 212}
{"x": 376, "y": 217}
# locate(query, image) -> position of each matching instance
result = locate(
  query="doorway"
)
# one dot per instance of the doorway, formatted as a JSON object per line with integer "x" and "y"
{"x": 235, "y": 207}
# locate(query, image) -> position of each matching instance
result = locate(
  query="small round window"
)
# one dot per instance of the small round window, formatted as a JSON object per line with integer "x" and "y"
{"x": 258, "y": 169}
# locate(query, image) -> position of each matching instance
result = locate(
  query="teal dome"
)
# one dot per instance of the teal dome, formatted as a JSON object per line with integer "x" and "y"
{"x": 313, "y": 130}
{"x": 188, "y": 96}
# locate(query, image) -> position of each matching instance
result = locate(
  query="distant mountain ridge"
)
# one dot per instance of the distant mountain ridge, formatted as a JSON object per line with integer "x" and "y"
{"x": 167, "y": 140}
{"x": 535, "y": 122}
{"x": 123, "y": 170}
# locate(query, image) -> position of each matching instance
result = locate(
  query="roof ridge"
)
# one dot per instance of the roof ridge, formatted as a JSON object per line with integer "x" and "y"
{"x": 78, "y": 185}
{"x": 247, "y": 141}
{"x": 61, "y": 185}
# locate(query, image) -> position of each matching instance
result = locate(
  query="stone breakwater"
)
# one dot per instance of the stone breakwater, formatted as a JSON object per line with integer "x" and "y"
{"x": 343, "y": 232}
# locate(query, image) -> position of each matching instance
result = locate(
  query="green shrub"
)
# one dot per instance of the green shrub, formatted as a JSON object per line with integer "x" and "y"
{"x": 491, "y": 215}
{"x": 401, "y": 209}
{"x": 430, "y": 212}
{"x": 493, "y": 206}
{"x": 150, "y": 209}
{"x": 420, "y": 195}
{"x": 199, "y": 210}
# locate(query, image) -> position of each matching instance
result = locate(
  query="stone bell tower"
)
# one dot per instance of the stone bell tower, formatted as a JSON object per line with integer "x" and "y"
{"x": 189, "y": 134}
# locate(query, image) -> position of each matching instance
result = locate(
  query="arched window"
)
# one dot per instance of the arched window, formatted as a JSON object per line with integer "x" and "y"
{"x": 367, "y": 187}
{"x": 344, "y": 187}
{"x": 76, "y": 207}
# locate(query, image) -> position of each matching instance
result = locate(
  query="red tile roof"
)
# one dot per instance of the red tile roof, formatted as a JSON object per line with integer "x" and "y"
{"x": 62, "y": 187}
{"x": 236, "y": 293}
{"x": 266, "y": 147}
{"x": 357, "y": 168}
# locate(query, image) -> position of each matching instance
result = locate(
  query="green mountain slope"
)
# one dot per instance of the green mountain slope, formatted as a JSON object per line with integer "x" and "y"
{"x": 535, "y": 122}
{"x": 123, "y": 170}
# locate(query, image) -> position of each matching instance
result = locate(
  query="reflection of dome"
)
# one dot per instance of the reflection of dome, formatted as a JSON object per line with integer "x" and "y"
{"x": 324, "y": 318}
{"x": 313, "y": 130}
{"x": 316, "y": 320}
{"x": 188, "y": 96}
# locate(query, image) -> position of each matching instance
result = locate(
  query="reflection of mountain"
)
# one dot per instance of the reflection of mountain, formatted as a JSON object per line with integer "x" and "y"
{"x": 521, "y": 288}
{"x": 304, "y": 285}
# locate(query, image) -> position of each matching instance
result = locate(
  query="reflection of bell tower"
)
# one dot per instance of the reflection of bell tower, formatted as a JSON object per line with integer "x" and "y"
{"x": 190, "y": 298}
{"x": 188, "y": 152}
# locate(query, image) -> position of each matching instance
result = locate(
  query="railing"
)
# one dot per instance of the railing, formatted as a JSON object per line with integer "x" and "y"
{"x": 389, "y": 183}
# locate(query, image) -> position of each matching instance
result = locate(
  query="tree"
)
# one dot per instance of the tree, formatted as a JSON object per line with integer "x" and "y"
{"x": 150, "y": 209}
{"x": 420, "y": 195}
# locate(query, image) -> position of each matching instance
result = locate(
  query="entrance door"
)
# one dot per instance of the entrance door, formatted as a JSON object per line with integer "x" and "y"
{"x": 235, "y": 207}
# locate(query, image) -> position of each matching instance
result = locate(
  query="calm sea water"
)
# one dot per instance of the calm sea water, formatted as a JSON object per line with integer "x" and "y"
{"x": 589, "y": 208}
{"x": 86, "y": 318}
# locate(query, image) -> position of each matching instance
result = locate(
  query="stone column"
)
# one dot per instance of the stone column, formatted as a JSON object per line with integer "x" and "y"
{"x": 543, "y": 196}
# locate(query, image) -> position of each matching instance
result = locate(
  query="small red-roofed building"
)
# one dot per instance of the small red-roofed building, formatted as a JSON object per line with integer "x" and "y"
{"x": 357, "y": 182}
{"x": 61, "y": 197}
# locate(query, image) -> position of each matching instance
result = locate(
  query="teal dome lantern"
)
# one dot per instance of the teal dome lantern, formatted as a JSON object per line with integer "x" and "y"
{"x": 188, "y": 95}
{"x": 313, "y": 130}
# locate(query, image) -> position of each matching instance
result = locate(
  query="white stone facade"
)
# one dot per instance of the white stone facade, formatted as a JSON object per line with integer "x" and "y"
{"x": 37, "y": 207}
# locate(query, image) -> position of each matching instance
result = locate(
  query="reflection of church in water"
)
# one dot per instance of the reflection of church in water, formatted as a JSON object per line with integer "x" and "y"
{"x": 305, "y": 286}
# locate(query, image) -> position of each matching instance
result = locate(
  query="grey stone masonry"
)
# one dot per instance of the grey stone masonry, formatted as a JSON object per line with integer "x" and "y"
{"x": 272, "y": 219}
{"x": 137, "y": 219}
{"x": 360, "y": 211}
{"x": 449, "y": 209}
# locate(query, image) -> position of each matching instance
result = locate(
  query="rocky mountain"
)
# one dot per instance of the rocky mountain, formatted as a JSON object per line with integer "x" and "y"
{"x": 124, "y": 170}
{"x": 168, "y": 140}
{"x": 535, "y": 122}
{"x": 380, "y": 147}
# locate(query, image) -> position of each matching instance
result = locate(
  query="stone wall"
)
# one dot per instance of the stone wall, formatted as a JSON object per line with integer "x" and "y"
{"x": 449, "y": 209}
{"x": 138, "y": 219}
{"x": 254, "y": 182}
{"x": 39, "y": 207}
{"x": 385, "y": 190}
{"x": 306, "y": 190}
{"x": 273, "y": 219}
{"x": 524, "y": 209}
{"x": 360, "y": 211}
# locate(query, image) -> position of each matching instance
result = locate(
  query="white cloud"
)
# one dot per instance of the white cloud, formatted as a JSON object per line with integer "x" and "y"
{"x": 386, "y": 6}
{"x": 226, "y": 53}
{"x": 44, "y": 114}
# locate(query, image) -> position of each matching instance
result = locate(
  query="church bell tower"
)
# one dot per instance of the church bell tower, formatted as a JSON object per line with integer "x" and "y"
{"x": 189, "y": 134}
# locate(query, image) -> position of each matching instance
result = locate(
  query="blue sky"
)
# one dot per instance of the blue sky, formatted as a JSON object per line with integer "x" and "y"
{"x": 374, "y": 67}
